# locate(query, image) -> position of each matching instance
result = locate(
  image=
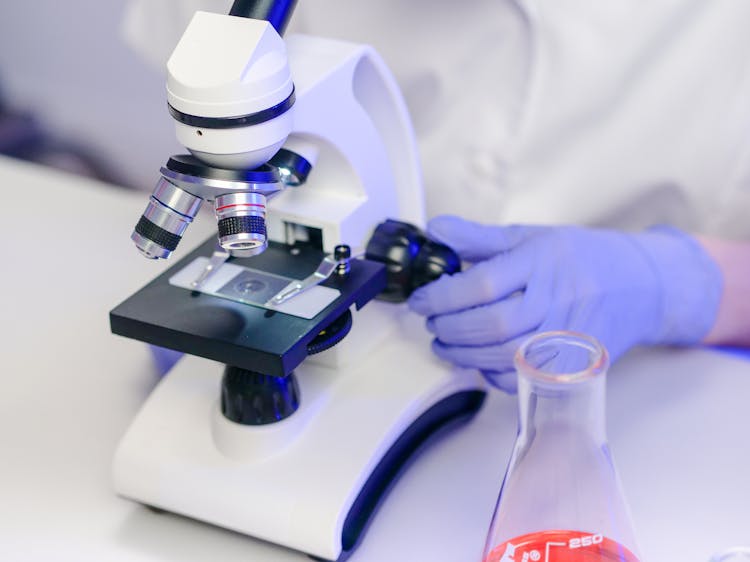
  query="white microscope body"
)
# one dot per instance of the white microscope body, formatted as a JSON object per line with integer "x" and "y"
{"x": 310, "y": 481}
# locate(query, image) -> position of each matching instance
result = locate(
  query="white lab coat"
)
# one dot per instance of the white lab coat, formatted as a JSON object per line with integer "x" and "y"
{"x": 617, "y": 113}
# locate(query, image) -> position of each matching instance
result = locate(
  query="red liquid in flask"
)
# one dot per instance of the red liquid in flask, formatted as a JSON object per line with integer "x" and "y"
{"x": 561, "y": 546}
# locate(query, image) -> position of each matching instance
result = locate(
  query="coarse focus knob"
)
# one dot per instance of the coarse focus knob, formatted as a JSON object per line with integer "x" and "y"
{"x": 411, "y": 259}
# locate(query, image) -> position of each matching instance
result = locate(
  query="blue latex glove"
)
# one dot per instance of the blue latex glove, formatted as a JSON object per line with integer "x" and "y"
{"x": 654, "y": 287}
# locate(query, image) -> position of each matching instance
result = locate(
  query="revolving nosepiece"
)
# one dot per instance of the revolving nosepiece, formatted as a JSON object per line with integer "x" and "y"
{"x": 242, "y": 223}
{"x": 169, "y": 212}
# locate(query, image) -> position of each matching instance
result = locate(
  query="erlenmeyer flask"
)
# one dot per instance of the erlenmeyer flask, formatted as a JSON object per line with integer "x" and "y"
{"x": 561, "y": 499}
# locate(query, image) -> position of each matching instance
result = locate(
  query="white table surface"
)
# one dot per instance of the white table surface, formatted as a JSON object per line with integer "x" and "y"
{"x": 678, "y": 421}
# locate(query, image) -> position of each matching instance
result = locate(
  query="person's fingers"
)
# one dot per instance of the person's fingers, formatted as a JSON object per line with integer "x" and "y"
{"x": 473, "y": 241}
{"x": 485, "y": 282}
{"x": 507, "y": 381}
{"x": 493, "y": 358}
{"x": 493, "y": 323}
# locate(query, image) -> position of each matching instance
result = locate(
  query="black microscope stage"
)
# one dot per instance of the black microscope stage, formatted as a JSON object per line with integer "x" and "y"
{"x": 243, "y": 335}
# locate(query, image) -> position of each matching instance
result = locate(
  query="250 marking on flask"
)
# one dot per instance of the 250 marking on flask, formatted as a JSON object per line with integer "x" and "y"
{"x": 584, "y": 541}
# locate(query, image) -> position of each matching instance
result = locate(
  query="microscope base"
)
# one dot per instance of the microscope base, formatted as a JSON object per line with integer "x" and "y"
{"x": 311, "y": 481}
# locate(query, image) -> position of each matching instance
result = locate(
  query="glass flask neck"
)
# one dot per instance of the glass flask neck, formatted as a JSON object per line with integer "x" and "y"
{"x": 574, "y": 405}
{"x": 561, "y": 384}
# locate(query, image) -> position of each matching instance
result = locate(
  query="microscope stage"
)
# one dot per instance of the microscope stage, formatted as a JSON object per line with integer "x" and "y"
{"x": 235, "y": 333}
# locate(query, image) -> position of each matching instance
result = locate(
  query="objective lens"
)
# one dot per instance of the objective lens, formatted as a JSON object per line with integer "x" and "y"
{"x": 242, "y": 223}
{"x": 169, "y": 212}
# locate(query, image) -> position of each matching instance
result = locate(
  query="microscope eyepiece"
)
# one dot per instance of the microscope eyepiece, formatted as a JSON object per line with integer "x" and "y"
{"x": 242, "y": 223}
{"x": 169, "y": 212}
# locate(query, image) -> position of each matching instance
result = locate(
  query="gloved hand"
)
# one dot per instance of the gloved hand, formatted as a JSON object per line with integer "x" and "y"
{"x": 653, "y": 287}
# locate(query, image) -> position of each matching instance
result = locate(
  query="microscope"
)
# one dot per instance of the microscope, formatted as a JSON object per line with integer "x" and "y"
{"x": 305, "y": 385}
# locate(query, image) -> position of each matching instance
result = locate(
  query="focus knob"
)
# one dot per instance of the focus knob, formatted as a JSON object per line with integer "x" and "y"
{"x": 411, "y": 259}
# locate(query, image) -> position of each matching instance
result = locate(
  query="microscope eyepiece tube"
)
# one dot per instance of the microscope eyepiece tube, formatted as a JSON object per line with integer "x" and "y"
{"x": 242, "y": 223}
{"x": 276, "y": 12}
{"x": 169, "y": 212}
